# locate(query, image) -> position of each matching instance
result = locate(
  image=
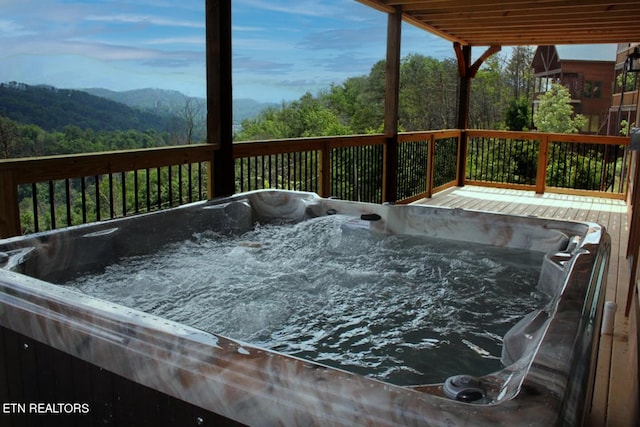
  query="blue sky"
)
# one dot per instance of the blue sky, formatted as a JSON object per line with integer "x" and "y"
{"x": 281, "y": 49}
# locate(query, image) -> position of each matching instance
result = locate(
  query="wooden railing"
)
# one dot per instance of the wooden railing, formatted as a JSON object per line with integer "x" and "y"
{"x": 107, "y": 185}
{"x": 330, "y": 166}
{"x": 561, "y": 163}
{"x": 427, "y": 163}
{"x": 98, "y": 186}
{"x": 354, "y": 165}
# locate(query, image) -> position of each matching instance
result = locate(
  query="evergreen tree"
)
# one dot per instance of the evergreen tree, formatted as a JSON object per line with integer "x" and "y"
{"x": 518, "y": 73}
{"x": 518, "y": 115}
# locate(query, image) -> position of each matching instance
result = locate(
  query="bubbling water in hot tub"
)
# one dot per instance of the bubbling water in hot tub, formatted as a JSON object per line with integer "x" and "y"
{"x": 402, "y": 309}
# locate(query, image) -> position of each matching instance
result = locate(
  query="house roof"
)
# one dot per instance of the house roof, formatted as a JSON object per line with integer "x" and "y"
{"x": 589, "y": 52}
{"x": 549, "y": 59}
{"x": 521, "y": 22}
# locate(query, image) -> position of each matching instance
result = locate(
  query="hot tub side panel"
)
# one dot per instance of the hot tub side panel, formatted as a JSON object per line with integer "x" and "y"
{"x": 32, "y": 373}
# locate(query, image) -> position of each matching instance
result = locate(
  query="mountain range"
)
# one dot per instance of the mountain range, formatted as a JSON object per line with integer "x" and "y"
{"x": 102, "y": 109}
{"x": 170, "y": 101}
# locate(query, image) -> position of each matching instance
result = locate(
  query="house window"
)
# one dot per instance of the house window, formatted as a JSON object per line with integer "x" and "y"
{"x": 592, "y": 89}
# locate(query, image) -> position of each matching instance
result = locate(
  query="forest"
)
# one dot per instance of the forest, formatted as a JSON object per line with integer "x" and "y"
{"x": 51, "y": 108}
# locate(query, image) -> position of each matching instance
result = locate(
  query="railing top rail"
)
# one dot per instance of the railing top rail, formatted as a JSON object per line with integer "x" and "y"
{"x": 555, "y": 137}
{"x": 588, "y": 139}
{"x": 421, "y": 135}
{"x": 243, "y": 149}
{"x": 39, "y": 169}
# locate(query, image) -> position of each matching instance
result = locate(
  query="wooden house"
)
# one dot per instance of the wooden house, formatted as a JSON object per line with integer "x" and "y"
{"x": 587, "y": 71}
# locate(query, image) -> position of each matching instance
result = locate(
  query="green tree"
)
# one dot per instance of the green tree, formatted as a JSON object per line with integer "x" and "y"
{"x": 306, "y": 117}
{"x": 518, "y": 115}
{"x": 427, "y": 93}
{"x": 9, "y": 136}
{"x": 488, "y": 96}
{"x": 518, "y": 73}
{"x": 368, "y": 116}
{"x": 555, "y": 113}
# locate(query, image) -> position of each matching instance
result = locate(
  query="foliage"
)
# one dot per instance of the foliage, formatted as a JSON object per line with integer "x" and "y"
{"x": 585, "y": 166}
{"x": 503, "y": 160}
{"x": 8, "y": 137}
{"x": 518, "y": 75}
{"x": 428, "y": 90}
{"x": 19, "y": 140}
{"x": 555, "y": 113}
{"x": 488, "y": 100}
{"x": 303, "y": 118}
{"x": 625, "y": 130}
{"x": 518, "y": 115}
{"x": 627, "y": 81}
{"x": 53, "y": 109}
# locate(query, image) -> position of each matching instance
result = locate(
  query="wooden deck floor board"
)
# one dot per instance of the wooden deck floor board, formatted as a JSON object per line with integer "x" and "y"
{"x": 614, "y": 401}
{"x": 619, "y": 403}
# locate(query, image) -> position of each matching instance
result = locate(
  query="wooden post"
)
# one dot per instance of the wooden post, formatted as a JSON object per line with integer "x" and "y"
{"x": 543, "y": 159}
{"x": 219, "y": 97}
{"x": 9, "y": 209}
{"x": 463, "y": 53}
{"x": 466, "y": 71}
{"x": 431, "y": 163}
{"x": 392, "y": 89}
{"x": 325, "y": 171}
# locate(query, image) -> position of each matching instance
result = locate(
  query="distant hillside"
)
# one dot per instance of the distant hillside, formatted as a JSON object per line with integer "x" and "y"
{"x": 52, "y": 108}
{"x": 102, "y": 109}
{"x": 173, "y": 102}
{"x": 154, "y": 100}
{"x": 245, "y": 108}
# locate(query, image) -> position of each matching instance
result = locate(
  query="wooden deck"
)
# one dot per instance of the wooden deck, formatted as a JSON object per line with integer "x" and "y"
{"x": 615, "y": 401}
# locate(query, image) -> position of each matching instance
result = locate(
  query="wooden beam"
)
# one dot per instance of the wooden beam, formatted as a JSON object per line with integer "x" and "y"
{"x": 534, "y": 14}
{"x": 463, "y": 53}
{"x": 219, "y": 97}
{"x": 463, "y": 61}
{"x": 473, "y": 70}
{"x": 470, "y": 71}
{"x": 392, "y": 89}
{"x": 466, "y": 73}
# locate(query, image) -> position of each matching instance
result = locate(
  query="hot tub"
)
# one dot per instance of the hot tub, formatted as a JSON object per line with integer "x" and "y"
{"x": 58, "y": 342}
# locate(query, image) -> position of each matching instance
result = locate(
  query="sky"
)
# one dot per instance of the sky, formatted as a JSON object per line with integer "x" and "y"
{"x": 281, "y": 49}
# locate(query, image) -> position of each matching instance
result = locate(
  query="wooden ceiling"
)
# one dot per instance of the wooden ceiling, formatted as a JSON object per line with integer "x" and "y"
{"x": 521, "y": 22}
